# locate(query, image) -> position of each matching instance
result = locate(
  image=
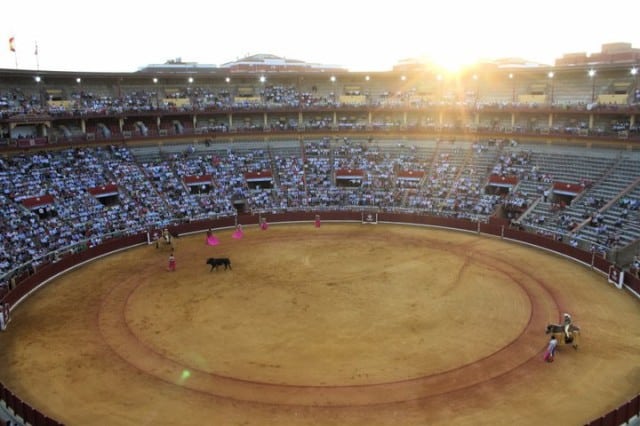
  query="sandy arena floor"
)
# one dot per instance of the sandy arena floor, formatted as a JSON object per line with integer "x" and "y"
{"x": 345, "y": 324}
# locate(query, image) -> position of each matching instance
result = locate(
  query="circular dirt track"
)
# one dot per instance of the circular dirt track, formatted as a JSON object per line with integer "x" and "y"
{"x": 346, "y": 324}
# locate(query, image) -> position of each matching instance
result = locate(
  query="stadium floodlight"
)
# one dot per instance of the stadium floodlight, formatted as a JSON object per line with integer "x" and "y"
{"x": 513, "y": 87}
{"x": 634, "y": 71}
{"x": 190, "y": 80}
{"x": 550, "y": 74}
{"x": 38, "y": 79}
{"x": 227, "y": 79}
{"x": 78, "y": 80}
{"x": 333, "y": 78}
{"x": 155, "y": 80}
{"x": 263, "y": 79}
{"x": 592, "y": 75}
{"x": 367, "y": 78}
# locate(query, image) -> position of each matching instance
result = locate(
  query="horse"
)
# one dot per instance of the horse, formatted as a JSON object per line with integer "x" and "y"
{"x": 166, "y": 239}
{"x": 558, "y": 331}
{"x": 222, "y": 261}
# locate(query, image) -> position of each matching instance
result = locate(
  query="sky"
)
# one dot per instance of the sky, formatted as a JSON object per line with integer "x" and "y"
{"x": 124, "y": 36}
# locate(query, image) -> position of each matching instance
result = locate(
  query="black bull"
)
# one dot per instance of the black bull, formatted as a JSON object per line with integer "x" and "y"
{"x": 222, "y": 261}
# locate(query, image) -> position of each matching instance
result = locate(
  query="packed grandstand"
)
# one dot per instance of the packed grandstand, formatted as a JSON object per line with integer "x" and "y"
{"x": 92, "y": 156}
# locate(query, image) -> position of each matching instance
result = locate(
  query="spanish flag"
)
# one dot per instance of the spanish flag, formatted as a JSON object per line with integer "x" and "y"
{"x": 12, "y": 45}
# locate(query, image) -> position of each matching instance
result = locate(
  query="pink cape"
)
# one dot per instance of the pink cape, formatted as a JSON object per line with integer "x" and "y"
{"x": 212, "y": 240}
{"x": 238, "y": 234}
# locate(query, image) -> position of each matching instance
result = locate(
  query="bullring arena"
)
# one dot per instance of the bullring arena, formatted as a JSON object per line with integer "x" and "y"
{"x": 405, "y": 239}
{"x": 346, "y": 323}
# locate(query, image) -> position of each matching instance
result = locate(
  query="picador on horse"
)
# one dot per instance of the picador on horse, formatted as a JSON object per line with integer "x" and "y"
{"x": 567, "y": 332}
{"x": 165, "y": 239}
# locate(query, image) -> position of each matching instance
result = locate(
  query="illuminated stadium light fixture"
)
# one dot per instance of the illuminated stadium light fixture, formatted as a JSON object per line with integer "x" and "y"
{"x": 550, "y": 74}
{"x": 592, "y": 74}
{"x": 38, "y": 79}
{"x": 263, "y": 79}
{"x": 367, "y": 78}
{"x": 190, "y": 80}
{"x": 227, "y": 79}
{"x": 333, "y": 79}
{"x": 403, "y": 78}
{"x": 513, "y": 87}
{"x": 155, "y": 80}
{"x": 634, "y": 71}
{"x": 78, "y": 80}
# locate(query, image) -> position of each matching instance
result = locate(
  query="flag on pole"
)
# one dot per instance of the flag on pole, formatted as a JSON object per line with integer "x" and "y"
{"x": 37, "y": 57}
{"x": 12, "y": 45}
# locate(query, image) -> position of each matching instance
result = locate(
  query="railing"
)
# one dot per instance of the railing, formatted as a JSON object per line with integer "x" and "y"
{"x": 620, "y": 415}
{"x": 443, "y": 130}
{"x": 39, "y": 277}
{"x": 24, "y": 411}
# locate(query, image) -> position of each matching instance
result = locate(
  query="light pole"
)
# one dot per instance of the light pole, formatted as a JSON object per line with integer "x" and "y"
{"x": 550, "y": 75}
{"x": 333, "y": 89}
{"x": 592, "y": 75}
{"x": 79, "y": 81}
{"x": 38, "y": 80}
{"x": 513, "y": 87}
{"x": 228, "y": 94}
{"x": 155, "y": 83}
{"x": 635, "y": 94}
{"x": 368, "y": 90}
